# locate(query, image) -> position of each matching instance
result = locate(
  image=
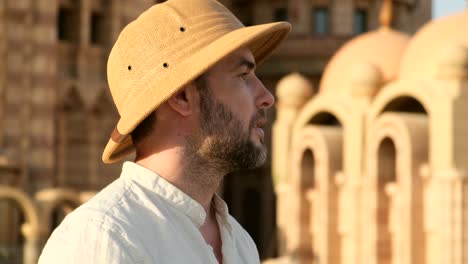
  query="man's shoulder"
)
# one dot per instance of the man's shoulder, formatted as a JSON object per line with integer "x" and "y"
{"x": 102, "y": 207}
{"x": 99, "y": 211}
{"x": 104, "y": 220}
{"x": 114, "y": 207}
{"x": 87, "y": 239}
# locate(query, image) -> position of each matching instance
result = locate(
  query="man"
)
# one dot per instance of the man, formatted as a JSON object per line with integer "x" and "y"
{"x": 182, "y": 78}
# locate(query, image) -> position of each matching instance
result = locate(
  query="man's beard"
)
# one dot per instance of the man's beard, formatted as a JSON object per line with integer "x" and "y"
{"x": 222, "y": 142}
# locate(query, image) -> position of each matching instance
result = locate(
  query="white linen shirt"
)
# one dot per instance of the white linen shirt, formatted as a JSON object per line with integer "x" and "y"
{"x": 142, "y": 218}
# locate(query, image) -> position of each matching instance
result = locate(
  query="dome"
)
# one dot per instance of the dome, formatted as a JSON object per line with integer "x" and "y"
{"x": 382, "y": 48}
{"x": 424, "y": 51}
{"x": 294, "y": 88}
{"x": 453, "y": 62}
{"x": 365, "y": 79}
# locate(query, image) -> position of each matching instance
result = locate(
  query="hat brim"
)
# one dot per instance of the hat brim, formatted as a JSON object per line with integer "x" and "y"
{"x": 261, "y": 39}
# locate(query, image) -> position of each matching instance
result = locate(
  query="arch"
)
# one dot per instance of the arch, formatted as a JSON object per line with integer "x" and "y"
{"x": 50, "y": 201}
{"x": 340, "y": 107}
{"x": 317, "y": 139}
{"x": 403, "y": 139}
{"x": 350, "y": 113}
{"x": 318, "y": 117}
{"x": 393, "y": 96}
{"x": 31, "y": 213}
{"x": 316, "y": 158}
{"x": 324, "y": 118}
{"x": 56, "y": 196}
{"x": 12, "y": 218}
{"x": 406, "y": 104}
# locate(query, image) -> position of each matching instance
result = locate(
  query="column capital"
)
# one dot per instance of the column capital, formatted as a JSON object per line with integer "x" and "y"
{"x": 32, "y": 233}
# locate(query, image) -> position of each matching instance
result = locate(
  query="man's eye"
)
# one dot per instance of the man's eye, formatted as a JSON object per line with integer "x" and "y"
{"x": 244, "y": 75}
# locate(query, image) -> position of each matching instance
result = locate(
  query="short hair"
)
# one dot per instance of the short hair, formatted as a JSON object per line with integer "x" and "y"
{"x": 144, "y": 129}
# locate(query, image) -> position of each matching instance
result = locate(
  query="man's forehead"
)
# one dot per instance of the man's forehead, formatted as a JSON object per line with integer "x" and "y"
{"x": 234, "y": 61}
{"x": 243, "y": 54}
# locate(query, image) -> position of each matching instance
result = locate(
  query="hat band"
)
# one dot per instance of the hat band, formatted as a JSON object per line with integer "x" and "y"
{"x": 117, "y": 137}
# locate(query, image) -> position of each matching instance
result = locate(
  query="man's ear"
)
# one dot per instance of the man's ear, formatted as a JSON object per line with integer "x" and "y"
{"x": 183, "y": 101}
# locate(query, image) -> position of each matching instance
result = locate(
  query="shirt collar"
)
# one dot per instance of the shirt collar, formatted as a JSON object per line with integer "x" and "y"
{"x": 223, "y": 212}
{"x": 173, "y": 196}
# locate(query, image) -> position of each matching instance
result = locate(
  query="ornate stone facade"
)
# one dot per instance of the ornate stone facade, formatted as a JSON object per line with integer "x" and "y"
{"x": 372, "y": 169}
{"x": 56, "y": 112}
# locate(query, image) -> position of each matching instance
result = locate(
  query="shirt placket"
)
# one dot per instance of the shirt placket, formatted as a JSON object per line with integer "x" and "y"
{"x": 228, "y": 246}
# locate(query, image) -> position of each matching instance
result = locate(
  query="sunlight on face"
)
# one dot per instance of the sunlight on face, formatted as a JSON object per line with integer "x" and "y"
{"x": 223, "y": 138}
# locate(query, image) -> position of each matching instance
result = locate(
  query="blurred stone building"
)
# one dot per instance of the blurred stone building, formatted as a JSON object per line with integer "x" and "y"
{"x": 56, "y": 112}
{"x": 373, "y": 167}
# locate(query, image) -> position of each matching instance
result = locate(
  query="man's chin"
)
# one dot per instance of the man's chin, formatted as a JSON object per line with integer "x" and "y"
{"x": 258, "y": 143}
{"x": 262, "y": 154}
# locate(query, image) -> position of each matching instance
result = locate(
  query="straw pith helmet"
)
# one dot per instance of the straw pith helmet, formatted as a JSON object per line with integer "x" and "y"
{"x": 168, "y": 46}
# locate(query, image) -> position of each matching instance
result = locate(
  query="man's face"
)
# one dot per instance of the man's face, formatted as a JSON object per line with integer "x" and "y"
{"x": 233, "y": 105}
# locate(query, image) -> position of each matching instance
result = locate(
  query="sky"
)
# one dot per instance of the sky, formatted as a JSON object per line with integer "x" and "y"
{"x": 447, "y": 7}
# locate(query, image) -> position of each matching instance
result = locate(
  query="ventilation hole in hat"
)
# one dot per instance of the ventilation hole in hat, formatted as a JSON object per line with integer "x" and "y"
{"x": 165, "y": 65}
{"x": 182, "y": 29}
{"x": 129, "y": 67}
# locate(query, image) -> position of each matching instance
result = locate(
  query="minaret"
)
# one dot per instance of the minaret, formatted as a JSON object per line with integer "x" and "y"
{"x": 386, "y": 14}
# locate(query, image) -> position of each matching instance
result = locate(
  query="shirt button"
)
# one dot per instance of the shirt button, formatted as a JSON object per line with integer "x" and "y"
{"x": 202, "y": 215}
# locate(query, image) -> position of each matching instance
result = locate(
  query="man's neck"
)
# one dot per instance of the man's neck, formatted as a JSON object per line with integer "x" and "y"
{"x": 195, "y": 178}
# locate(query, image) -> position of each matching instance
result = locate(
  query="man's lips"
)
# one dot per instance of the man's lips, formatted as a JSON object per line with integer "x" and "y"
{"x": 260, "y": 132}
{"x": 260, "y": 123}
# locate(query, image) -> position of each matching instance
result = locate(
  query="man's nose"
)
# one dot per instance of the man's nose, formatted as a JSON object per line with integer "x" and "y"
{"x": 264, "y": 99}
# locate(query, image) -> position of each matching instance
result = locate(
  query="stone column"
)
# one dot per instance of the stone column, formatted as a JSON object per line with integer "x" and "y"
{"x": 453, "y": 231}
{"x": 342, "y": 13}
{"x": 43, "y": 92}
{"x": 394, "y": 215}
{"x": 34, "y": 241}
{"x": 346, "y": 210}
{"x": 285, "y": 204}
{"x": 292, "y": 91}
{"x": 449, "y": 157}
{"x": 15, "y": 91}
{"x": 430, "y": 195}
{"x": 85, "y": 22}
{"x": 84, "y": 41}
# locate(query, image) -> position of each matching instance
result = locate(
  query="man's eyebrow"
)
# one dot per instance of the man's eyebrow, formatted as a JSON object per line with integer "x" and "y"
{"x": 245, "y": 62}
